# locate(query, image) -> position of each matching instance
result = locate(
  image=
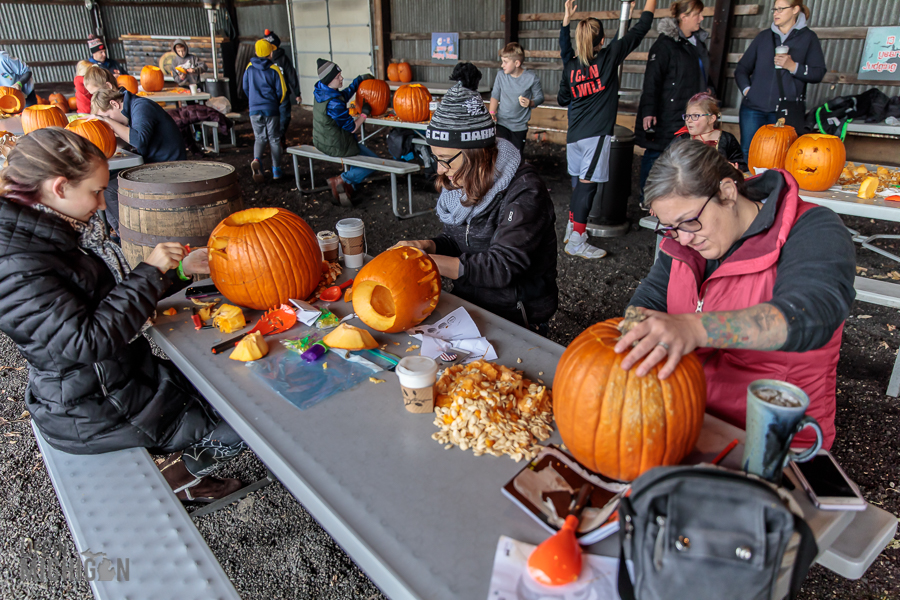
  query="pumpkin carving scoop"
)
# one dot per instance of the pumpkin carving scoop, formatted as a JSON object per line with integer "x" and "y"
{"x": 273, "y": 321}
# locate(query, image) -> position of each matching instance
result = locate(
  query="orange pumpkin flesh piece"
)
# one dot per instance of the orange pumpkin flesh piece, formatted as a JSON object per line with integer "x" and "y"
{"x": 396, "y": 290}
{"x": 616, "y": 423}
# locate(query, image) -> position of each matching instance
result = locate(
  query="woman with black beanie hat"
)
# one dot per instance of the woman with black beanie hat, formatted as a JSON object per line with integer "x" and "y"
{"x": 499, "y": 242}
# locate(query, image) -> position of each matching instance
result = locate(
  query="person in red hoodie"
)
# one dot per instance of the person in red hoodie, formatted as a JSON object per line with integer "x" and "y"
{"x": 82, "y": 96}
{"x": 755, "y": 280}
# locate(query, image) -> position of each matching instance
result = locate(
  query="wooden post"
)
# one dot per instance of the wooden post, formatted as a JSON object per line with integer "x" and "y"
{"x": 383, "y": 50}
{"x": 511, "y": 24}
{"x": 723, "y": 19}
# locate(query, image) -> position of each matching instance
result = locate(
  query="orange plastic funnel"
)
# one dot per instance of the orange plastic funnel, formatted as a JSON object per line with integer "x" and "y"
{"x": 557, "y": 560}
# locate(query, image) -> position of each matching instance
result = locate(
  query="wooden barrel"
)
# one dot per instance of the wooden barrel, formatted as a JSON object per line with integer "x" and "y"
{"x": 179, "y": 201}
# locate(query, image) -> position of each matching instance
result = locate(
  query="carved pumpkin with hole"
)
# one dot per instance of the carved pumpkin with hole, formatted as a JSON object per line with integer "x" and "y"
{"x": 404, "y": 72}
{"x": 59, "y": 101}
{"x": 397, "y": 290}
{"x": 376, "y": 94}
{"x": 263, "y": 257}
{"x": 42, "y": 115}
{"x": 12, "y": 100}
{"x": 816, "y": 161}
{"x": 616, "y": 423}
{"x": 97, "y": 131}
{"x": 151, "y": 78}
{"x": 769, "y": 146}
{"x": 128, "y": 82}
{"x": 411, "y": 103}
{"x": 393, "y": 72}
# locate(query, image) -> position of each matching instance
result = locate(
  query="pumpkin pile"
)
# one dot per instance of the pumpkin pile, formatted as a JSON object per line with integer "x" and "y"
{"x": 616, "y": 423}
{"x": 376, "y": 94}
{"x": 816, "y": 161}
{"x": 42, "y": 115}
{"x": 770, "y": 145}
{"x": 12, "y": 100}
{"x": 412, "y": 103}
{"x": 399, "y": 72}
{"x": 97, "y": 131}
{"x": 263, "y": 257}
{"x": 397, "y": 289}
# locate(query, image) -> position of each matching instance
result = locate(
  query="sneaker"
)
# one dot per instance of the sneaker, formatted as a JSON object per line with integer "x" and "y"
{"x": 341, "y": 191}
{"x": 578, "y": 246}
{"x": 276, "y": 173}
{"x": 258, "y": 176}
{"x": 569, "y": 228}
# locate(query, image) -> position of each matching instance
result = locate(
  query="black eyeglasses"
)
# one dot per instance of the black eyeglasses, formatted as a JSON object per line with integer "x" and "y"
{"x": 688, "y": 225}
{"x": 446, "y": 163}
{"x": 694, "y": 117}
{"x": 779, "y": 9}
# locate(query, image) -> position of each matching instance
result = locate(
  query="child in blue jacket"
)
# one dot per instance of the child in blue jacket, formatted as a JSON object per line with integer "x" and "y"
{"x": 264, "y": 86}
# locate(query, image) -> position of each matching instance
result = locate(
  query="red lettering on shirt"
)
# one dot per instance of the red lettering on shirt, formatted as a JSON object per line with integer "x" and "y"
{"x": 595, "y": 72}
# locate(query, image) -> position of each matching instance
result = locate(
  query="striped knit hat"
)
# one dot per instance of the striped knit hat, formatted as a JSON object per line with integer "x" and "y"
{"x": 327, "y": 70}
{"x": 461, "y": 121}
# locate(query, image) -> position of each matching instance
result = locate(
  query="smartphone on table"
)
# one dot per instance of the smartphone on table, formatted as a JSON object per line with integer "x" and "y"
{"x": 827, "y": 484}
{"x": 201, "y": 291}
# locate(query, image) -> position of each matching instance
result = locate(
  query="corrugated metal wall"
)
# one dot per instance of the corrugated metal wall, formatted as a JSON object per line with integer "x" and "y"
{"x": 62, "y": 30}
{"x": 254, "y": 20}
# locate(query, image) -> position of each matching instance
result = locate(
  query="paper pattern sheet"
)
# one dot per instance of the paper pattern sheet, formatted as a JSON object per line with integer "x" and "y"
{"x": 456, "y": 330}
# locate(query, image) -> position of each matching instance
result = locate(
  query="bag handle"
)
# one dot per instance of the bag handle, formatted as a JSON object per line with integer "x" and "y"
{"x": 626, "y": 513}
{"x": 806, "y": 554}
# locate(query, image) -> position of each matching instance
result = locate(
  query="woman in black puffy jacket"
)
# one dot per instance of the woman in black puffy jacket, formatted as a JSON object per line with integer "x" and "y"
{"x": 75, "y": 310}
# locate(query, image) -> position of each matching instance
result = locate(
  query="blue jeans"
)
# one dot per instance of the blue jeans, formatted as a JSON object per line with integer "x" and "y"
{"x": 751, "y": 120}
{"x": 284, "y": 110}
{"x": 355, "y": 175}
{"x": 647, "y": 162}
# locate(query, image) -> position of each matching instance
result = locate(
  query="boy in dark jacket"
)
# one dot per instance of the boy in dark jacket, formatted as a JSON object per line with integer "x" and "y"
{"x": 280, "y": 58}
{"x": 187, "y": 67}
{"x": 99, "y": 56}
{"x": 334, "y": 129}
{"x": 265, "y": 88}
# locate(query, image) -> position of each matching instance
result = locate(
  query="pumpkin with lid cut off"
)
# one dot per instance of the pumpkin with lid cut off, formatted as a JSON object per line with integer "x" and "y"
{"x": 412, "y": 103}
{"x": 151, "y": 78}
{"x": 97, "y": 131}
{"x": 404, "y": 72}
{"x": 12, "y": 100}
{"x": 397, "y": 289}
{"x": 816, "y": 161}
{"x": 770, "y": 145}
{"x": 375, "y": 93}
{"x": 616, "y": 423}
{"x": 128, "y": 82}
{"x": 263, "y": 257}
{"x": 42, "y": 115}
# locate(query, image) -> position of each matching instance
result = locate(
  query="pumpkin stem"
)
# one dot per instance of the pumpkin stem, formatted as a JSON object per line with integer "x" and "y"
{"x": 779, "y": 123}
{"x": 633, "y": 316}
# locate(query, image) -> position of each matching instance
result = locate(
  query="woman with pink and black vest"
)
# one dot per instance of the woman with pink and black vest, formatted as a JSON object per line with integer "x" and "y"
{"x": 753, "y": 278}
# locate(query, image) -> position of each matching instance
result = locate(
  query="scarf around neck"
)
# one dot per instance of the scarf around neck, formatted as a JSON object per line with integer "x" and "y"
{"x": 449, "y": 205}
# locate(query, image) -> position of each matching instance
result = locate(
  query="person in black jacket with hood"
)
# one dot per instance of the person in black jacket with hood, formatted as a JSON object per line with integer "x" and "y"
{"x": 290, "y": 78}
{"x": 499, "y": 242}
{"x": 677, "y": 68}
{"x": 75, "y": 309}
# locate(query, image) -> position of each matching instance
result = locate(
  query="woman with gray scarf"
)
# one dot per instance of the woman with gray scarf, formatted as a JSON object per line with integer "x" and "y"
{"x": 498, "y": 245}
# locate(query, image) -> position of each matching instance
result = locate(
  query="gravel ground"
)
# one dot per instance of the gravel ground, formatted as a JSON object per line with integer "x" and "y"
{"x": 271, "y": 547}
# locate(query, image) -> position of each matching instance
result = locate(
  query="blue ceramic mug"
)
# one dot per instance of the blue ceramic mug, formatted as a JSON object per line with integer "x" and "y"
{"x": 776, "y": 412}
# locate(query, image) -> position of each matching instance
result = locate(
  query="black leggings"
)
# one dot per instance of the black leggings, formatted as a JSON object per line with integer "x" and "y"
{"x": 220, "y": 445}
{"x": 582, "y": 200}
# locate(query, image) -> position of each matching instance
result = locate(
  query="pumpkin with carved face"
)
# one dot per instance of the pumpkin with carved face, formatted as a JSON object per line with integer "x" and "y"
{"x": 816, "y": 161}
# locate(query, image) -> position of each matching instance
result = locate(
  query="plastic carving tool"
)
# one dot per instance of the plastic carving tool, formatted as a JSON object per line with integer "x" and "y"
{"x": 274, "y": 321}
{"x": 557, "y": 560}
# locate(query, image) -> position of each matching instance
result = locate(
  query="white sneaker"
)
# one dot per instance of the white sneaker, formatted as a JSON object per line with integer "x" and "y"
{"x": 569, "y": 227}
{"x": 578, "y": 246}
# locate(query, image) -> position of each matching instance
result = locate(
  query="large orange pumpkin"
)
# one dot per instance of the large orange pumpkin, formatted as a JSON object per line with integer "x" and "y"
{"x": 42, "y": 115}
{"x": 616, "y": 423}
{"x": 404, "y": 72}
{"x": 73, "y": 103}
{"x": 411, "y": 103}
{"x": 816, "y": 161}
{"x": 770, "y": 145}
{"x": 96, "y": 131}
{"x": 397, "y": 289}
{"x": 128, "y": 82}
{"x": 12, "y": 100}
{"x": 376, "y": 94}
{"x": 59, "y": 101}
{"x": 151, "y": 78}
{"x": 263, "y": 257}
{"x": 393, "y": 73}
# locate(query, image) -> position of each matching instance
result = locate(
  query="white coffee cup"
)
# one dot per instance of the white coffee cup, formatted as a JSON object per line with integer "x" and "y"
{"x": 328, "y": 243}
{"x": 352, "y": 233}
{"x": 417, "y": 375}
{"x": 779, "y": 50}
{"x": 193, "y": 87}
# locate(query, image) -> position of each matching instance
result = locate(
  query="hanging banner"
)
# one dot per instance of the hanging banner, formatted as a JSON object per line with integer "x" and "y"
{"x": 445, "y": 47}
{"x": 881, "y": 55}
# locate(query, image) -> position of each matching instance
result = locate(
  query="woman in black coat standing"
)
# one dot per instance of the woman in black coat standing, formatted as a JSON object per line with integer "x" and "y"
{"x": 761, "y": 67}
{"x": 75, "y": 309}
{"x": 677, "y": 68}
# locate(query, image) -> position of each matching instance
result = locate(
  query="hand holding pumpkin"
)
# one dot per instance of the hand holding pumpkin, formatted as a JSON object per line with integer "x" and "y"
{"x": 196, "y": 263}
{"x": 660, "y": 336}
{"x": 166, "y": 256}
{"x": 426, "y": 245}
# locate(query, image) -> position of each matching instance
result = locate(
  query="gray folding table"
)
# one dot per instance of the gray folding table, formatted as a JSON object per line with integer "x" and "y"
{"x": 421, "y": 521}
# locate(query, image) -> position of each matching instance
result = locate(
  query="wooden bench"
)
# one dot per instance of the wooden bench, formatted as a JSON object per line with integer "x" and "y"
{"x": 118, "y": 504}
{"x": 392, "y": 167}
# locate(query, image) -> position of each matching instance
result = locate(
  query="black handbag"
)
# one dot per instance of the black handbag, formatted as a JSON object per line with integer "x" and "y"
{"x": 792, "y": 111}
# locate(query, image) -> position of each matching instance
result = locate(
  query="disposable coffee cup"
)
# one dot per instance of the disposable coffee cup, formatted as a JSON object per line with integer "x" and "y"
{"x": 352, "y": 233}
{"x": 417, "y": 375}
{"x": 781, "y": 50}
{"x": 193, "y": 87}
{"x": 328, "y": 243}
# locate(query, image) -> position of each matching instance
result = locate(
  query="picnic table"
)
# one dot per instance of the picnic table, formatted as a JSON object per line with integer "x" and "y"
{"x": 436, "y": 88}
{"x": 422, "y": 521}
{"x": 383, "y": 123}
{"x": 170, "y": 95}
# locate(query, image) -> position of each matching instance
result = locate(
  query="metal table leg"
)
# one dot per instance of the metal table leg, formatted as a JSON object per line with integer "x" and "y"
{"x": 394, "y": 199}
{"x": 893, "y": 389}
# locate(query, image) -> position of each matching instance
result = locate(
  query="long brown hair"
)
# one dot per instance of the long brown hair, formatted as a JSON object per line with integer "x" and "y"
{"x": 587, "y": 31}
{"x": 682, "y": 7}
{"x": 46, "y": 154}
{"x": 475, "y": 177}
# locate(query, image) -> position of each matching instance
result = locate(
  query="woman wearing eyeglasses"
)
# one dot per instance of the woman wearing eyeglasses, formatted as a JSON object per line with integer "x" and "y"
{"x": 754, "y": 279}
{"x": 498, "y": 245}
{"x": 763, "y": 72}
